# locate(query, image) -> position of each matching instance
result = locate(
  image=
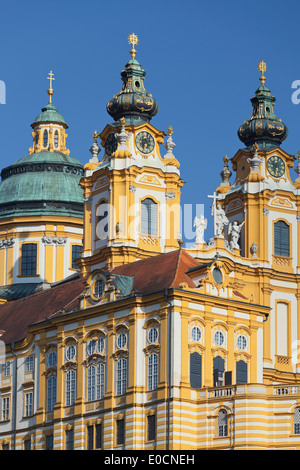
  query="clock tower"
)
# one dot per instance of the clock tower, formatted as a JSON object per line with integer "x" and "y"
{"x": 132, "y": 191}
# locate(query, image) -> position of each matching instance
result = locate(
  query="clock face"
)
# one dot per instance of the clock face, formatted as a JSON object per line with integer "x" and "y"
{"x": 144, "y": 142}
{"x": 111, "y": 144}
{"x": 276, "y": 166}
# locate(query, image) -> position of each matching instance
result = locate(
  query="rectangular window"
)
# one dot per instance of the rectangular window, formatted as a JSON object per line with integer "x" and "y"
{"x": 5, "y": 408}
{"x": 98, "y": 441}
{"x": 76, "y": 249}
{"x": 6, "y": 369}
{"x": 49, "y": 442}
{"x": 195, "y": 370}
{"x": 27, "y": 444}
{"x": 29, "y": 362}
{"x": 29, "y": 259}
{"x": 151, "y": 421}
{"x": 121, "y": 376}
{"x": 120, "y": 432}
{"x": 29, "y": 404}
{"x": 94, "y": 436}
{"x": 69, "y": 439}
{"x": 90, "y": 437}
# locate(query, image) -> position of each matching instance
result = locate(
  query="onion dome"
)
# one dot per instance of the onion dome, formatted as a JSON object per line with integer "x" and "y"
{"x": 133, "y": 102}
{"x": 263, "y": 128}
{"x": 46, "y": 181}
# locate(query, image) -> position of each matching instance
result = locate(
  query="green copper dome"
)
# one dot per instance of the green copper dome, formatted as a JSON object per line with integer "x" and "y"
{"x": 42, "y": 183}
{"x": 133, "y": 102}
{"x": 263, "y": 128}
{"x": 50, "y": 114}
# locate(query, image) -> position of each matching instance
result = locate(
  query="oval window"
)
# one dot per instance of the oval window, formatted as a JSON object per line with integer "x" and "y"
{"x": 196, "y": 333}
{"x": 242, "y": 342}
{"x": 219, "y": 338}
{"x": 217, "y": 275}
{"x": 152, "y": 334}
{"x": 121, "y": 340}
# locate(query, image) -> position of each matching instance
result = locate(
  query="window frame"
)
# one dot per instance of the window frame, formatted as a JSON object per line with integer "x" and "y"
{"x": 279, "y": 250}
{"x": 150, "y": 229}
{"x": 29, "y": 268}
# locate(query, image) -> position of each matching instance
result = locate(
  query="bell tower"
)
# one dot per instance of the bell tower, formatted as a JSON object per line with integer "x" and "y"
{"x": 132, "y": 193}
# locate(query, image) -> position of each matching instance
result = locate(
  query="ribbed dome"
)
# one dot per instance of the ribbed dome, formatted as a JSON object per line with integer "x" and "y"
{"x": 42, "y": 183}
{"x": 263, "y": 128}
{"x": 50, "y": 114}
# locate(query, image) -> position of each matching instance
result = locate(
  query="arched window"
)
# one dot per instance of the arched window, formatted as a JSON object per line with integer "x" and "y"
{"x": 121, "y": 378}
{"x": 45, "y": 139}
{"x": 56, "y": 139}
{"x": 241, "y": 372}
{"x": 37, "y": 138}
{"x": 102, "y": 220}
{"x": 195, "y": 370}
{"x": 297, "y": 421}
{"x": 152, "y": 371}
{"x": 281, "y": 239}
{"x": 70, "y": 387}
{"x": 51, "y": 392}
{"x": 148, "y": 217}
{"x": 222, "y": 423}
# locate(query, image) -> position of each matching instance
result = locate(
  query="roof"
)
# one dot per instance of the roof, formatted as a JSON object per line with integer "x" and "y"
{"x": 42, "y": 183}
{"x": 50, "y": 114}
{"x": 17, "y": 291}
{"x": 16, "y": 316}
{"x": 145, "y": 276}
{"x": 159, "y": 272}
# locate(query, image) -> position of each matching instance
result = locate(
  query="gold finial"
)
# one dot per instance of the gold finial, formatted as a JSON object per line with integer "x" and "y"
{"x": 226, "y": 160}
{"x": 255, "y": 147}
{"x": 50, "y": 89}
{"x": 170, "y": 130}
{"x": 95, "y": 135}
{"x": 133, "y": 39}
{"x": 123, "y": 121}
{"x": 298, "y": 155}
{"x": 262, "y": 66}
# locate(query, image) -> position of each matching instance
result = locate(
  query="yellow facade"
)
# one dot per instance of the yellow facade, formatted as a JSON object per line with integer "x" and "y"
{"x": 163, "y": 348}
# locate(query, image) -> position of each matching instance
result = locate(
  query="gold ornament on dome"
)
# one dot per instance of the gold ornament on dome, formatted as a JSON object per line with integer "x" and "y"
{"x": 262, "y": 66}
{"x": 133, "y": 39}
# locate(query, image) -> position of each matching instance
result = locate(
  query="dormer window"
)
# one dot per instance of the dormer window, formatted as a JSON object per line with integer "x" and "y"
{"x": 99, "y": 288}
{"x": 45, "y": 139}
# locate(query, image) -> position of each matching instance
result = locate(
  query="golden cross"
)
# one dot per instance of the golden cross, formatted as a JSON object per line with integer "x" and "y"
{"x": 262, "y": 66}
{"x": 133, "y": 39}
{"x": 50, "y": 90}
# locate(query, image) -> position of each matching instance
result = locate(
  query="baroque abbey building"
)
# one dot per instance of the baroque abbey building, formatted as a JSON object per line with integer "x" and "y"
{"x": 116, "y": 336}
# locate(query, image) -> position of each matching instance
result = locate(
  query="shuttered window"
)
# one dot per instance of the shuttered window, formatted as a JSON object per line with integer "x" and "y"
{"x": 148, "y": 217}
{"x": 281, "y": 239}
{"x": 195, "y": 370}
{"x": 241, "y": 372}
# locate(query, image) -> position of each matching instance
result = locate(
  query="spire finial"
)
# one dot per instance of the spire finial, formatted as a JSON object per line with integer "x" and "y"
{"x": 170, "y": 130}
{"x": 50, "y": 89}
{"x": 133, "y": 39}
{"x": 262, "y": 66}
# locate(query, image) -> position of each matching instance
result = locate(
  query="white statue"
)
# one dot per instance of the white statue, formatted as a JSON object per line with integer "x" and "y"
{"x": 234, "y": 230}
{"x": 201, "y": 225}
{"x": 220, "y": 219}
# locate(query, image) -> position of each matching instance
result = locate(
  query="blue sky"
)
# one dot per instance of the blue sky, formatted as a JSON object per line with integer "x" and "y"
{"x": 201, "y": 62}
